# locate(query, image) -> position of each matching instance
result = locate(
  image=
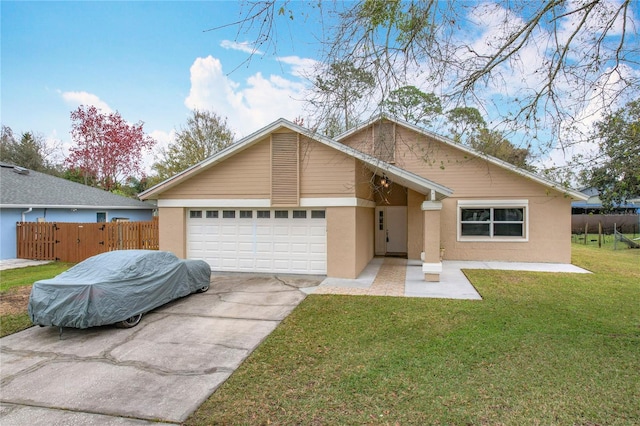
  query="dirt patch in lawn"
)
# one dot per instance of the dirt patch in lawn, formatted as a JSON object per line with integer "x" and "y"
{"x": 14, "y": 301}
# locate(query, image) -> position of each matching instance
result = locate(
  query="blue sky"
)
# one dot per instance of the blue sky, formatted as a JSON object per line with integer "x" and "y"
{"x": 150, "y": 61}
{"x": 155, "y": 61}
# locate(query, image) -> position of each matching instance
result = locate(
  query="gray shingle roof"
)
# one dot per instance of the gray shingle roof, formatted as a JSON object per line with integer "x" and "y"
{"x": 35, "y": 189}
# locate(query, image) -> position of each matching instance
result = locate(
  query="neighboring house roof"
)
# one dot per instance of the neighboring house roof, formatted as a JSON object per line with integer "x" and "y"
{"x": 396, "y": 174}
{"x": 593, "y": 201}
{"x": 22, "y": 188}
{"x": 576, "y": 195}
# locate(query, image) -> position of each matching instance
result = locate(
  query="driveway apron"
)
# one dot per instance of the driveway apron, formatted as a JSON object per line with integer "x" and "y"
{"x": 161, "y": 370}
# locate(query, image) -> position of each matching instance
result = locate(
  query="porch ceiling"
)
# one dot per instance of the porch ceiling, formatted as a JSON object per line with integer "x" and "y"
{"x": 410, "y": 180}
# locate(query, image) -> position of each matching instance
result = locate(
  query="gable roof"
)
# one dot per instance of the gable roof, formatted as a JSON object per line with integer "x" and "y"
{"x": 574, "y": 194}
{"x": 396, "y": 174}
{"x": 22, "y": 188}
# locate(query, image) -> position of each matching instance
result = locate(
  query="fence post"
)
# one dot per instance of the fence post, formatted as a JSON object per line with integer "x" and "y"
{"x": 586, "y": 229}
{"x": 599, "y": 234}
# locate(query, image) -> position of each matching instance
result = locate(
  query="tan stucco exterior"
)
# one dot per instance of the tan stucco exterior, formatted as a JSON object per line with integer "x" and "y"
{"x": 474, "y": 178}
{"x": 349, "y": 240}
{"x": 415, "y": 219}
{"x": 173, "y": 230}
{"x": 348, "y": 190}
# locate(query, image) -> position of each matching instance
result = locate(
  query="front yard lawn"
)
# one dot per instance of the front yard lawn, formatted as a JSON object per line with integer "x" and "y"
{"x": 540, "y": 348}
{"x": 15, "y": 287}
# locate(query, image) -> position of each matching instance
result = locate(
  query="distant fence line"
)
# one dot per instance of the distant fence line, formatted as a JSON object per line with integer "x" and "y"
{"x": 624, "y": 223}
{"x": 75, "y": 242}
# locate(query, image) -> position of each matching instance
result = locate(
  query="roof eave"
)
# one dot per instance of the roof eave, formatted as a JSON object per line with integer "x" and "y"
{"x": 232, "y": 149}
{"x": 574, "y": 194}
{"x": 73, "y": 206}
{"x": 416, "y": 182}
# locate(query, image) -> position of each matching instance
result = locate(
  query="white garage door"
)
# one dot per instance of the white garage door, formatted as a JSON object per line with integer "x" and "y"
{"x": 290, "y": 241}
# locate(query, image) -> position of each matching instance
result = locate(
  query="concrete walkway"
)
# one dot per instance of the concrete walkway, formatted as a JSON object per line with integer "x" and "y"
{"x": 20, "y": 263}
{"x": 402, "y": 277}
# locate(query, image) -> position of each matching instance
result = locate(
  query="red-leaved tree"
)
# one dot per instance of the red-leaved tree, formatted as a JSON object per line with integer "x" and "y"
{"x": 107, "y": 148}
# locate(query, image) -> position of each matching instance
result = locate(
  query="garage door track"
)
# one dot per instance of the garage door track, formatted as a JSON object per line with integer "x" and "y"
{"x": 161, "y": 370}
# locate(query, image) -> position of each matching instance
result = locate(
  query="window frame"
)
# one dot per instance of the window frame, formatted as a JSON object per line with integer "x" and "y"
{"x": 492, "y": 205}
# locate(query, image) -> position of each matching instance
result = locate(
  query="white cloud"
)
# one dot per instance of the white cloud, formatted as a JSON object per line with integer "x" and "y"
{"x": 301, "y": 67}
{"x": 248, "y": 106}
{"x": 163, "y": 139}
{"x": 244, "y": 46}
{"x": 85, "y": 98}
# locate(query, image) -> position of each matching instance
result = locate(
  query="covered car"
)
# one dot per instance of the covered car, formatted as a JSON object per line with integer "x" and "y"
{"x": 115, "y": 288}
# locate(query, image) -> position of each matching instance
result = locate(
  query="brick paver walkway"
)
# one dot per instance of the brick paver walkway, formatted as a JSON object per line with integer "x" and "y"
{"x": 390, "y": 281}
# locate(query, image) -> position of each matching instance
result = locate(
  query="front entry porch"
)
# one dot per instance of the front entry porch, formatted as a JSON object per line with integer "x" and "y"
{"x": 391, "y": 276}
{"x": 385, "y": 276}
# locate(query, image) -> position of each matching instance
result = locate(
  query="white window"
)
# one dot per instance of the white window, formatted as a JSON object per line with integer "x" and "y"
{"x": 493, "y": 220}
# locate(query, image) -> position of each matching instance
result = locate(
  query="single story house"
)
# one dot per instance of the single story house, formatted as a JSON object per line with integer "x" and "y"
{"x": 593, "y": 204}
{"x": 30, "y": 196}
{"x": 286, "y": 199}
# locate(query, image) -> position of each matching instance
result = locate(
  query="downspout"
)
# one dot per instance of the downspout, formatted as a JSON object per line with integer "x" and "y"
{"x": 26, "y": 212}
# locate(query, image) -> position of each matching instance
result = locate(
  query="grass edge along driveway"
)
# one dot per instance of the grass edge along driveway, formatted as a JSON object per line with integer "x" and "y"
{"x": 540, "y": 348}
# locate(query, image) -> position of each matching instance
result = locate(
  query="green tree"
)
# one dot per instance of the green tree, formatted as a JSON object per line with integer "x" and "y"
{"x": 413, "y": 105}
{"x": 30, "y": 151}
{"x": 204, "y": 134}
{"x": 132, "y": 187}
{"x": 339, "y": 92}
{"x": 494, "y": 143}
{"x": 79, "y": 176}
{"x": 616, "y": 173}
{"x": 464, "y": 122}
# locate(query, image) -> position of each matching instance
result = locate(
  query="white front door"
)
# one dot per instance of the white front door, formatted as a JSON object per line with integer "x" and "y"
{"x": 391, "y": 230}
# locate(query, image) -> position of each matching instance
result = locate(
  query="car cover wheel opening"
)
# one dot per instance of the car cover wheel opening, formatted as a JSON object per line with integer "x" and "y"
{"x": 203, "y": 288}
{"x": 129, "y": 322}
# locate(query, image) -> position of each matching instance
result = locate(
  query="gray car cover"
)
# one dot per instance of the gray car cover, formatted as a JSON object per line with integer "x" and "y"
{"x": 114, "y": 286}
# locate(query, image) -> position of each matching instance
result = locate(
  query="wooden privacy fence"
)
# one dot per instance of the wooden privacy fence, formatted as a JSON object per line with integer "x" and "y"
{"x": 74, "y": 242}
{"x": 625, "y": 223}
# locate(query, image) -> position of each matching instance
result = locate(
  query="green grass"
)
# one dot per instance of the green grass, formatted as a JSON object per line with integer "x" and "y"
{"x": 540, "y": 348}
{"x": 607, "y": 241}
{"x": 11, "y": 279}
{"x": 26, "y": 276}
{"x": 10, "y": 324}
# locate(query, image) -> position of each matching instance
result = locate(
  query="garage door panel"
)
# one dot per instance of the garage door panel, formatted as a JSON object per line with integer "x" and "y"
{"x": 297, "y": 248}
{"x": 259, "y": 244}
{"x": 299, "y": 231}
{"x": 317, "y": 249}
{"x": 263, "y": 230}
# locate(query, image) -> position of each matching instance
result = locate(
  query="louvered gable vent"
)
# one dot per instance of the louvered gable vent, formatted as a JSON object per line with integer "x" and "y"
{"x": 384, "y": 141}
{"x": 284, "y": 169}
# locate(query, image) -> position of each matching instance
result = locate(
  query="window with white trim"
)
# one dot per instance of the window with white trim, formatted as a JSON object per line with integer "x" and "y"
{"x": 499, "y": 220}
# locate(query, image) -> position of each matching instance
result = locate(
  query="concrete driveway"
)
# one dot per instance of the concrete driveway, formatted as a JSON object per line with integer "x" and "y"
{"x": 159, "y": 371}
